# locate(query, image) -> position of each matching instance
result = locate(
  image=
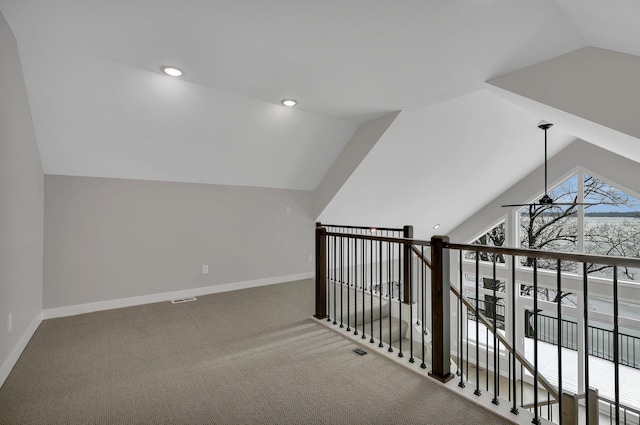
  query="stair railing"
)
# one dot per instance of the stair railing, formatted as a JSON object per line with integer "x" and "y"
{"x": 533, "y": 277}
{"x": 384, "y": 271}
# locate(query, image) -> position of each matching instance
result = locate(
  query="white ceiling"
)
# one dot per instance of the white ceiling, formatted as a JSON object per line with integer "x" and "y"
{"x": 102, "y": 108}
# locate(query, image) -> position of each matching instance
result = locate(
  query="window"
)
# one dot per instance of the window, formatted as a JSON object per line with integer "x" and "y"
{"x": 493, "y": 237}
{"x": 612, "y": 228}
{"x": 609, "y": 227}
{"x": 551, "y": 227}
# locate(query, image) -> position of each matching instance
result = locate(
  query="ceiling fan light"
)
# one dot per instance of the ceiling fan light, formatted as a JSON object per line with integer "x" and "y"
{"x": 546, "y": 200}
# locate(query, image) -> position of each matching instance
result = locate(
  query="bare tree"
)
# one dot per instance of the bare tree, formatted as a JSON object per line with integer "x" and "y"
{"x": 622, "y": 240}
{"x": 554, "y": 228}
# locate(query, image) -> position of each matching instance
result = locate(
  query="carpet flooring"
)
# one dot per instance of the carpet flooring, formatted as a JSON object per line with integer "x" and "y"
{"x": 253, "y": 356}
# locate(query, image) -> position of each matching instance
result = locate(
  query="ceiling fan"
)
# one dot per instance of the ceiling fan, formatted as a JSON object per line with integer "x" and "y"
{"x": 546, "y": 200}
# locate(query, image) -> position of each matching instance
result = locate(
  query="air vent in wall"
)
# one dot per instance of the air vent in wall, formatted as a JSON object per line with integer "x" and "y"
{"x": 183, "y": 300}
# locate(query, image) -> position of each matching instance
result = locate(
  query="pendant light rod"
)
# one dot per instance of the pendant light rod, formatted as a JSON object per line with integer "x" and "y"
{"x": 545, "y": 126}
{"x": 546, "y": 200}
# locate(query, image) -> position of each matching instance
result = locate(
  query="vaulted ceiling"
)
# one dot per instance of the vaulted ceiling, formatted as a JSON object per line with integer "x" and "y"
{"x": 102, "y": 107}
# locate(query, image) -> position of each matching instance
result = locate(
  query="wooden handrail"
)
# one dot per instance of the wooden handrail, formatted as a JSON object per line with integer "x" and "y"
{"x": 540, "y": 404}
{"x": 389, "y": 229}
{"x": 521, "y": 252}
{"x": 405, "y": 241}
{"x": 417, "y": 252}
{"x": 551, "y": 255}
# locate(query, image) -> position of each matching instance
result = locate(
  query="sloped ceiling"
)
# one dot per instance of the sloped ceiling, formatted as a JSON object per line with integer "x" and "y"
{"x": 440, "y": 164}
{"x": 611, "y": 25}
{"x": 598, "y": 86}
{"x": 102, "y": 108}
{"x": 436, "y": 165}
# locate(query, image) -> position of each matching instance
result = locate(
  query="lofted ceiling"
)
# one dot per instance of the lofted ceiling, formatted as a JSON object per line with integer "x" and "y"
{"x": 101, "y": 106}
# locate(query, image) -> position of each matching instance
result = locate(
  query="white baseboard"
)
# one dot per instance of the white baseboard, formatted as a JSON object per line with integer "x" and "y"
{"x": 10, "y": 362}
{"x": 73, "y": 310}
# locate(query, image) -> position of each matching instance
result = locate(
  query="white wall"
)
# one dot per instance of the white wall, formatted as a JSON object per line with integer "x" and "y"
{"x": 21, "y": 209}
{"x": 110, "y": 239}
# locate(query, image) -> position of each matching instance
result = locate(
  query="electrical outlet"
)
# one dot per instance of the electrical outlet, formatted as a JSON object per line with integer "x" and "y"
{"x": 9, "y": 322}
{"x": 205, "y": 269}
{"x": 310, "y": 258}
{"x": 288, "y": 210}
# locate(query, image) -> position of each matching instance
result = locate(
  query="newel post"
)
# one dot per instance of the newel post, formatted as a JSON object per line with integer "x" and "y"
{"x": 440, "y": 310}
{"x": 321, "y": 272}
{"x": 407, "y": 232}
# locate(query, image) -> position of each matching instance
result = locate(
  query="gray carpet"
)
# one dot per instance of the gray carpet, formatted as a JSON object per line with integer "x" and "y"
{"x": 253, "y": 356}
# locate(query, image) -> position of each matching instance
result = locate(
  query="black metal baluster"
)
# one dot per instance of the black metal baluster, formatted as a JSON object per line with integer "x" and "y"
{"x": 496, "y": 349}
{"x": 536, "y": 419}
{"x": 460, "y": 312}
{"x": 380, "y": 344}
{"x": 410, "y": 277}
{"x": 559, "y": 313}
{"x": 401, "y": 294}
{"x": 486, "y": 360}
{"x": 585, "y": 280}
{"x": 390, "y": 297}
{"x": 364, "y": 301}
{"x": 521, "y": 384}
{"x": 477, "y": 313}
{"x": 466, "y": 341}
{"x": 328, "y": 262}
{"x": 341, "y": 280}
{"x": 419, "y": 287}
{"x": 335, "y": 277}
{"x": 509, "y": 378}
{"x": 616, "y": 357}
{"x": 371, "y": 291}
{"x": 423, "y": 365}
{"x": 355, "y": 280}
{"x": 389, "y": 269}
{"x": 349, "y": 284}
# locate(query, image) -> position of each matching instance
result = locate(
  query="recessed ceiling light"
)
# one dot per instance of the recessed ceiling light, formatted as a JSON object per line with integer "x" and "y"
{"x": 289, "y": 102}
{"x": 174, "y": 72}
{"x": 437, "y": 226}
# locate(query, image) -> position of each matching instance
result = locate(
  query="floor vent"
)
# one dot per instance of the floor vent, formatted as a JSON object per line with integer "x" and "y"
{"x": 183, "y": 300}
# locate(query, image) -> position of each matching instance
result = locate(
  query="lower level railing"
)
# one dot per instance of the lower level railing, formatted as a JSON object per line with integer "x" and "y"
{"x": 394, "y": 291}
{"x": 601, "y": 339}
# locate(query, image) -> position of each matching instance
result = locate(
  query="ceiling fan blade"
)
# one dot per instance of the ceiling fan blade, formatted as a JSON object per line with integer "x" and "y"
{"x": 555, "y": 204}
{"x": 546, "y": 200}
{"x": 579, "y": 203}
